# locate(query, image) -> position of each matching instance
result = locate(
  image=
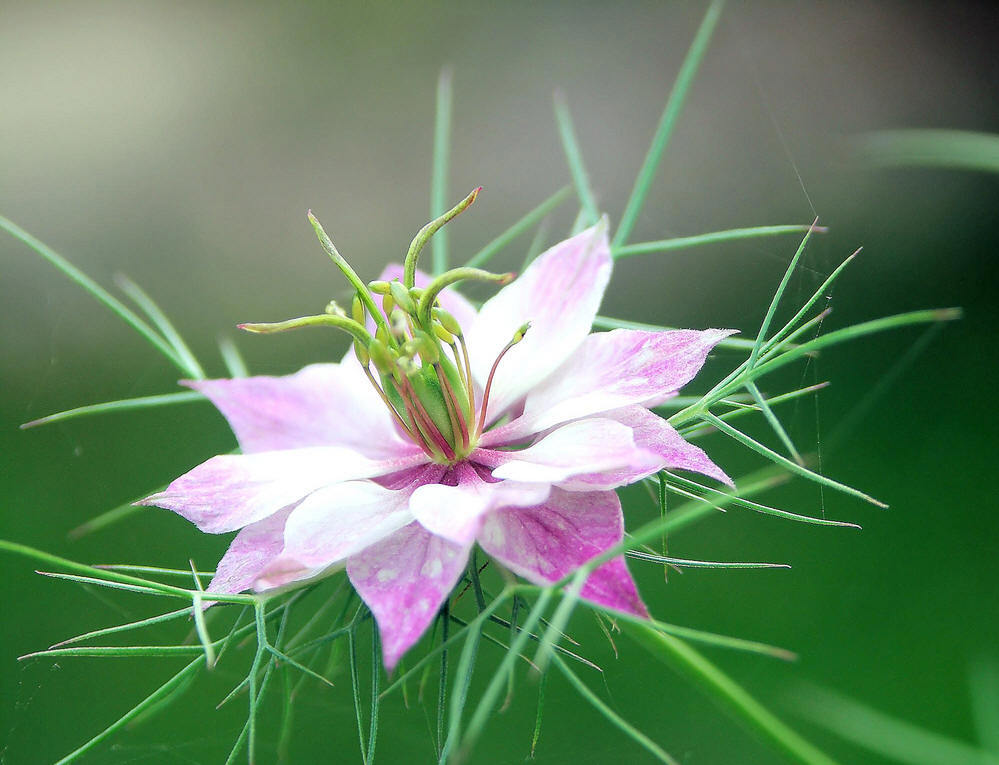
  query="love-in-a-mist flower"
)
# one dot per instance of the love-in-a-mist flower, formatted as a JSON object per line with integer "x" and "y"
{"x": 444, "y": 427}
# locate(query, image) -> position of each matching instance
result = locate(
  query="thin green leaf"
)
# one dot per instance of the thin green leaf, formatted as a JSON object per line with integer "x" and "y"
{"x": 493, "y": 691}
{"x": 928, "y": 316}
{"x": 532, "y": 218}
{"x": 774, "y": 423}
{"x": 952, "y": 149}
{"x": 559, "y": 621}
{"x": 164, "y": 690}
{"x": 772, "y": 309}
{"x": 734, "y": 699}
{"x": 714, "y": 237}
{"x": 878, "y": 732}
{"x": 536, "y": 736}
{"x": 202, "y": 630}
{"x": 674, "y": 105}
{"x": 111, "y": 576}
{"x": 692, "y": 431}
{"x": 376, "y": 666}
{"x": 445, "y": 622}
{"x": 234, "y": 363}
{"x": 298, "y": 665}
{"x": 116, "y": 651}
{"x": 613, "y": 717}
{"x": 441, "y": 168}
{"x": 816, "y": 296}
{"x": 739, "y": 377}
{"x": 101, "y": 294}
{"x": 106, "y": 583}
{"x": 111, "y": 517}
{"x": 260, "y": 624}
{"x": 793, "y": 467}
{"x": 462, "y": 682}
{"x": 125, "y": 627}
{"x": 696, "y": 510}
{"x": 177, "y": 572}
{"x": 574, "y": 157}
{"x": 356, "y": 693}
{"x": 162, "y": 323}
{"x": 248, "y": 732}
{"x": 740, "y": 501}
{"x": 687, "y": 563}
{"x": 122, "y": 405}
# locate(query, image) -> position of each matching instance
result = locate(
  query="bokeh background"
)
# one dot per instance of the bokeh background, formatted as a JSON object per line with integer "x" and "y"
{"x": 181, "y": 143}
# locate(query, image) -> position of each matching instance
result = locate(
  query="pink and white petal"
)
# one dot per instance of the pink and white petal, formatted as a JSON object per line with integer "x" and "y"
{"x": 611, "y": 370}
{"x": 234, "y": 490}
{"x": 580, "y": 448}
{"x": 404, "y": 579}
{"x": 655, "y": 435}
{"x": 455, "y": 511}
{"x": 549, "y": 541}
{"x": 559, "y": 293}
{"x": 321, "y": 405}
{"x": 253, "y": 549}
{"x": 332, "y": 524}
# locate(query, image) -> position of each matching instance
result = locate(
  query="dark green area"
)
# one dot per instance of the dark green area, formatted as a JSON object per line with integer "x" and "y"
{"x": 183, "y": 144}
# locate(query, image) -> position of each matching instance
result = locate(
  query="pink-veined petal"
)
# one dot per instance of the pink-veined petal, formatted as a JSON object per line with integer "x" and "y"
{"x": 611, "y": 370}
{"x": 584, "y": 447}
{"x": 559, "y": 293}
{"x": 332, "y": 524}
{"x": 545, "y": 543}
{"x": 321, "y": 405}
{"x": 655, "y": 435}
{"x": 455, "y": 511}
{"x": 404, "y": 579}
{"x": 234, "y": 490}
{"x": 253, "y": 549}
{"x": 661, "y": 447}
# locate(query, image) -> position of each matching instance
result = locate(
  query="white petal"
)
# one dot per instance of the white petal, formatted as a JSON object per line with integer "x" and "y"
{"x": 559, "y": 293}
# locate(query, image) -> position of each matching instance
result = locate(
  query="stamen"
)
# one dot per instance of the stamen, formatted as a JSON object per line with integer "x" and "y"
{"x": 424, "y": 420}
{"x": 458, "y": 425}
{"x": 469, "y": 384}
{"x": 517, "y": 337}
{"x": 408, "y": 431}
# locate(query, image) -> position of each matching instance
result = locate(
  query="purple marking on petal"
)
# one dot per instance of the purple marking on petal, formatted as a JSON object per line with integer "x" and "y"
{"x": 404, "y": 579}
{"x": 547, "y": 542}
{"x": 453, "y": 509}
{"x": 611, "y": 370}
{"x": 559, "y": 293}
{"x": 253, "y": 549}
{"x": 594, "y": 446}
{"x": 234, "y": 490}
{"x": 321, "y": 405}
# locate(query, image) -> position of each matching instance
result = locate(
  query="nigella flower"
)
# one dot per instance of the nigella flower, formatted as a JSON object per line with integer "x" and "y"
{"x": 446, "y": 427}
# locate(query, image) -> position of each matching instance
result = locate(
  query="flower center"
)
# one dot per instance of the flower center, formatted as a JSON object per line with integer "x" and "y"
{"x": 416, "y": 359}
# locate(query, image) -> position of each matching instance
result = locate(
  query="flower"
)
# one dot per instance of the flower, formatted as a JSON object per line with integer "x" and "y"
{"x": 515, "y": 442}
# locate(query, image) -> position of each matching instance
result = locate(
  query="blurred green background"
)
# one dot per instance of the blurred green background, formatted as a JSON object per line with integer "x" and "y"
{"x": 181, "y": 144}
